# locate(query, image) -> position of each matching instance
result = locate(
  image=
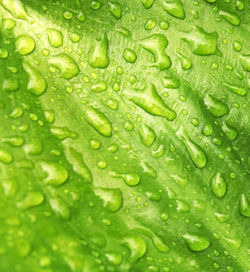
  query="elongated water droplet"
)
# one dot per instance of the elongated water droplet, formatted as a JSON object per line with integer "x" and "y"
{"x": 245, "y": 62}
{"x": 156, "y": 44}
{"x": 15, "y": 141}
{"x": 230, "y": 17}
{"x": 150, "y": 101}
{"x": 147, "y": 135}
{"x": 59, "y": 207}
{"x": 147, "y": 3}
{"x": 239, "y": 5}
{"x": 236, "y": 89}
{"x": 16, "y": 8}
{"x": 244, "y": 206}
{"x": 31, "y": 199}
{"x": 56, "y": 173}
{"x": 66, "y": 65}
{"x": 218, "y": 185}
{"x": 207, "y": 130}
{"x": 10, "y": 187}
{"x": 196, "y": 242}
{"x": 174, "y": 8}
{"x": 115, "y": 9}
{"x": 63, "y": 133}
{"x": 182, "y": 206}
{"x": 17, "y": 112}
{"x": 201, "y": 42}
{"x": 136, "y": 245}
{"x": 112, "y": 103}
{"x": 10, "y": 84}
{"x": 79, "y": 165}
{"x": 98, "y": 121}
{"x": 179, "y": 179}
{"x": 124, "y": 31}
{"x": 55, "y": 37}
{"x": 112, "y": 198}
{"x": 25, "y": 44}
{"x": 36, "y": 83}
{"x": 5, "y": 156}
{"x": 221, "y": 217}
{"x": 230, "y": 131}
{"x": 99, "y": 87}
{"x": 170, "y": 82}
{"x": 129, "y": 55}
{"x": 4, "y": 53}
{"x": 186, "y": 63}
{"x": 131, "y": 179}
{"x": 149, "y": 24}
{"x": 34, "y": 147}
{"x": 215, "y": 107}
{"x": 98, "y": 55}
{"x": 49, "y": 116}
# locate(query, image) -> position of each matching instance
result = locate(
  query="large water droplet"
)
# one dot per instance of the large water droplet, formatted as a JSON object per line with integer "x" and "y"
{"x": 115, "y": 9}
{"x": 136, "y": 245}
{"x": 36, "y": 83}
{"x": 174, "y": 8}
{"x": 59, "y": 207}
{"x": 218, "y": 185}
{"x": 244, "y": 206}
{"x": 114, "y": 258}
{"x": 63, "y": 133}
{"x": 5, "y": 156}
{"x": 14, "y": 141}
{"x": 156, "y": 44}
{"x": 31, "y": 199}
{"x": 196, "y": 242}
{"x": 98, "y": 55}
{"x": 16, "y": 8}
{"x": 150, "y": 101}
{"x": 215, "y": 107}
{"x": 25, "y": 44}
{"x": 34, "y": 147}
{"x": 56, "y": 173}
{"x": 112, "y": 198}
{"x": 147, "y": 3}
{"x": 55, "y": 37}
{"x": 230, "y": 17}
{"x": 230, "y": 131}
{"x": 147, "y": 135}
{"x": 66, "y": 65}
{"x": 98, "y": 121}
{"x": 79, "y": 165}
{"x": 236, "y": 89}
{"x": 131, "y": 179}
{"x": 201, "y": 42}
{"x": 186, "y": 63}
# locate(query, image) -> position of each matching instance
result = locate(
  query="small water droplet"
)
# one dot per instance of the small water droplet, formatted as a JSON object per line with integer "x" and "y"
{"x": 245, "y": 62}
{"x": 63, "y": 133}
{"x": 147, "y": 3}
{"x": 237, "y": 46}
{"x": 186, "y": 63}
{"x": 112, "y": 198}
{"x": 5, "y": 156}
{"x": 10, "y": 187}
{"x": 99, "y": 87}
{"x": 244, "y": 206}
{"x": 236, "y": 89}
{"x": 147, "y": 135}
{"x": 174, "y": 8}
{"x": 230, "y": 131}
{"x": 218, "y": 185}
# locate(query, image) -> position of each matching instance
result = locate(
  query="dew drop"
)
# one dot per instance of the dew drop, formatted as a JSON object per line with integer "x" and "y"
{"x": 63, "y": 133}
{"x": 31, "y": 199}
{"x": 115, "y": 9}
{"x": 244, "y": 206}
{"x": 147, "y": 3}
{"x": 129, "y": 55}
{"x": 147, "y": 135}
{"x": 218, "y": 185}
{"x": 230, "y": 17}
{"x": 215, "y": 107}
{"x": 136, "y": 245}
{"x": 236, "y": 89}
{"x": 55, "y": 37}
{"x": 5, "y": 156}
{"x": 186, "y": 63}
{"x": 174, "y": 8}
{"x": 25, "y": 44}
{"x": 112, "y": 198}
{"x": 59, "y": 207}
{"x": 196, "y": 242}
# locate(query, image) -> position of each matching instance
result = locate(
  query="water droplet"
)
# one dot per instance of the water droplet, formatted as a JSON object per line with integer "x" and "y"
{"x": 112, "y": 198}
{"x": 237, "y": 46}
{"x": 179, "y": 179}
{"x": 196, "y": 242}
{"x": 25, "y": 45}
{"x": 99, "y": 87}
{"x": 170, "y": 82}
{"x": 245, "y": 62}
{"x": 164, "y": 25}
{"x": 156, "y": 44}
{"x": 115, "y": 9}
{"x": 55, "y": 37}
{"x": 147, "y": 135}
{"x": 114, "y": 258}
{"x": 67, "y": 15}
{"x": 158, "y": 152}
{"x": 75, "y": 37}
{"x": 112, "y": 103}
{"x": 244, "y": 206}
{"x": 31, "y": 199}
{"x": 34, "y": 147}
{"x": 131, "y": 179}
{"x": 153, "y": 196}
{"x": 239, "y": 5}
{"x": 98, "y": 56}
{"x": 182, "y": 206}
{"x": 98, "y": 121}
{"x": 66, "y": 65}
{"x": 10, "y": 84}
{"x": 59, "y": 207}
{"x": 63, "y": 133}
{"x": 8, "y": 23}
{"x": 149, "y": 24}
{"x": 56, "y": 174}
{"x": 16, "y": 8}
{"x": 186, "y": 63}
{"x": 174, "y": 8}
{"x": 230, "y": 131}
{"x": 5, "y": 156}
{"x": 4, "y": 53}
{"x": 124, "y": 31}
{"x": 22, "y": 247}
{"x": 102, "y": 164}
{"x": 136, "y": 245}
{"x": 150, "y": 101}
{"x": 215, "y": 107}
{"x": 230, "y": 17}
{"x": 10, "y": 187}
{"x": 222, "y": 217}
{"x": 147, "y": 3}
{"x": 197, "y": 155}
{"x": 95, "y": 5}
{"x": 95, "y": 144}
{"x": 49, "y": 116}
{"x": 218, "y": 185}
{"x": 79, "y": 165}
{"x": 15, "y": 141}
{"x": 207, "y": 130}
{"x": 236, "y": 89}
{"x": 201, "y": 42}
{"x": 17, "y": 112}
{"x": 129, "y": 55}
{"x": 36, "y": 83}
